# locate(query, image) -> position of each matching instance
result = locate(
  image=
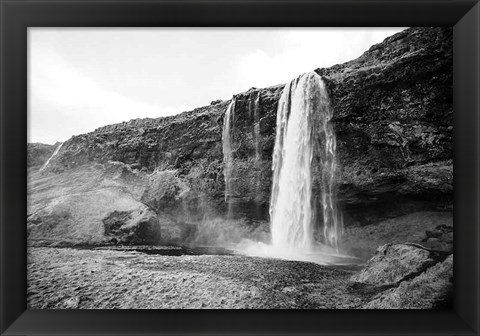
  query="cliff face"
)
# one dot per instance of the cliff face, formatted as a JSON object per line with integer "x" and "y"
{"x": 152, "y": 144}
{"x": 191, "y": 145}
{"x": 393, "y": 119}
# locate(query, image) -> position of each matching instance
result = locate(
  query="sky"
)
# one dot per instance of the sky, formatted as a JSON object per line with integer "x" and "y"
{"x": 82, "y": 78}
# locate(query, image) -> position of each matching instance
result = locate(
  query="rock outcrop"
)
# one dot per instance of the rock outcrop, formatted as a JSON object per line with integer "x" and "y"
{"x": 432, "y": 289}
{"x": 393, "y": 263}
{"x": 407, "y": 276}
{"x": 393, "y": 118}
{"x": 91, "y": 205}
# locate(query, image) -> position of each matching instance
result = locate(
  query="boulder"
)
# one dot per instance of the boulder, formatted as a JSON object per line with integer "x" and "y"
{"x": 393, "y": 264}
{"x": 138, "y": 226}
{"x": 431, "y": 289}
{"x": 99, "y": 217}
{"x": 88, "y": 206}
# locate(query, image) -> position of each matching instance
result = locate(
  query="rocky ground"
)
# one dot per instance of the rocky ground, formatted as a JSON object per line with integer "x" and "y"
{"x": 92, "y": 278}
{"x": 136, "y": 278}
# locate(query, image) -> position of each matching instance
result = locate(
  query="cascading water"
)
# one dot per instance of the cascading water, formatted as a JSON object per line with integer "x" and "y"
{"x": 303, "y": 122}
{"x": 227, "y": 155}
{"x": 332, "y": 218}
{"x": 51, "y": 157}
{"x": 254, "y": 107}
{"x": 256, "y": 128}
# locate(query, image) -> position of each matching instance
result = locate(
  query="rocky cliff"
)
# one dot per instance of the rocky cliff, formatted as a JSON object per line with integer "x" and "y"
{"x": 392, "y": 117}
{"x": 394, "y": 123}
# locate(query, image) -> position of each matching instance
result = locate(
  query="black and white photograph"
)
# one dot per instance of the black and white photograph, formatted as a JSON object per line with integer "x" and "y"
{"x": 240, "y": 168}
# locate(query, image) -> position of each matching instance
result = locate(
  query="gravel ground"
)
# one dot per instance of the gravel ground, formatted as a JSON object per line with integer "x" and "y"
{"x": 89, "y": 278}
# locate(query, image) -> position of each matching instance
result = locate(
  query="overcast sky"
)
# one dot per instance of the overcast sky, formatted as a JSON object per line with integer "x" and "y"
{"x": 84, "y": 78}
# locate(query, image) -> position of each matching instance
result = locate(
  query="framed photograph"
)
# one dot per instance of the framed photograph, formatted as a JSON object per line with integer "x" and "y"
{"x": 238, "y": 167}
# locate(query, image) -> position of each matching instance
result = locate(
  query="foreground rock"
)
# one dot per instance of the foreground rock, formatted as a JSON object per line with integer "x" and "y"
{"x": 406, "y": 276}
{"x": 431, "y": 289}
{"x": 394, "y": 263}
{"x": 90, "y": 207}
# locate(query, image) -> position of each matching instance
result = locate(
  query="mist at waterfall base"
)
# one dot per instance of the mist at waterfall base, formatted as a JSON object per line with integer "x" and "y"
{"x": 304, "y": 162}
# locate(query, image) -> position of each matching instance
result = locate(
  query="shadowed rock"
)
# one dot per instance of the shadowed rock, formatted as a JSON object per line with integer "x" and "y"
{"x": 434, "y": 230}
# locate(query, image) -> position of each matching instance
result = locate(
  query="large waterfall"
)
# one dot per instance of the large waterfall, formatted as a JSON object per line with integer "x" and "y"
{"x": 305, "y": 222}
{"x": 304, "y": 156}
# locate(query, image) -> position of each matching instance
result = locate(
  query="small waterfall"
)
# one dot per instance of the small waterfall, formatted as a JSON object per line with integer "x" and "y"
{"x": 332, "y": 217}
{"x": 257, "y": 164}
{"x": 228, "y": 155}
{"x": 51, "y": 157}
{"x": 256, "y": 128}
{"x": 303, "y": 123}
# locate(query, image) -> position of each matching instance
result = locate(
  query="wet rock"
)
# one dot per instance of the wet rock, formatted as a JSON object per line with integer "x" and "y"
{"x": 252, "y": 138}
{"x": 393, "y": 264}
{"x": 137, "y": 226}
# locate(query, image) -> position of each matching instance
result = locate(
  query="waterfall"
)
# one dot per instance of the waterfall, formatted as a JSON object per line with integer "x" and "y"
{"x": 51, "y": 157}
{"x": 256, "y": 128}
{"x": 304, "y": 153}
{"x": 257, "y": 165}
{"x": 227, "y": 154}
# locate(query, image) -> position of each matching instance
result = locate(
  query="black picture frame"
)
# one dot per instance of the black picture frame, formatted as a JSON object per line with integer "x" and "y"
{"x": 17, "y": 15}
